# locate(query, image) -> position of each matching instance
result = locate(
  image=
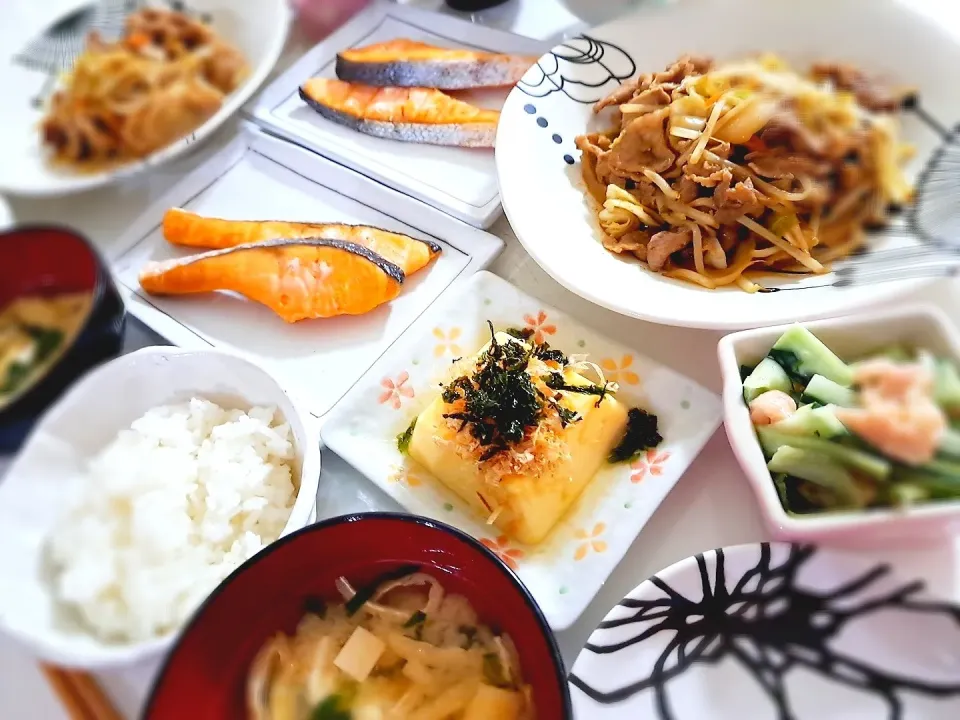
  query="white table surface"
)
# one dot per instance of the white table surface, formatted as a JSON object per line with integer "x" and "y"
{"x": 711, "y": 506}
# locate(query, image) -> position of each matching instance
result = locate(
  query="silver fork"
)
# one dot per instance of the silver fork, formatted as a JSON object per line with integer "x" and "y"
{"x": 933, "y": 218}
{"x": 931, "y": 261}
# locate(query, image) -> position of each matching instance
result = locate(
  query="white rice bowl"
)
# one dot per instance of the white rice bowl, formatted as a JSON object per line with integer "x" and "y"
{"x": 167, "y": 511}
{"x": 121, "y": 514}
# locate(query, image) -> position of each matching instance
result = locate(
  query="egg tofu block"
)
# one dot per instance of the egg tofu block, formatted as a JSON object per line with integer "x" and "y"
{"x": 530, "y": 504}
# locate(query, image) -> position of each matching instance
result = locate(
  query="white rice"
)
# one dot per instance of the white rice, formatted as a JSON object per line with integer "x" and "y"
{"x": 167, "y": 511}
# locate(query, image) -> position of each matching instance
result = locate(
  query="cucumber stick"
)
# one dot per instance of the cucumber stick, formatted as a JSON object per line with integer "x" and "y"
{"x": 950, "y": 444}
{"x": 896, "y": 353}
{"x": 948, "y": 468}
{"x": 811, "y": 421}
{"x": 872, "y": 465}
{"x": 935, "y": 485}
{"x": 946, "y": 381}
{"x": 946, "y": 389}
{"x": 906, "y": 494}
{"x": 827, "y": 392}
{"x": 801, "y": 354}
{"x": 820, "y": 470}
{"x": 765, "y": 376}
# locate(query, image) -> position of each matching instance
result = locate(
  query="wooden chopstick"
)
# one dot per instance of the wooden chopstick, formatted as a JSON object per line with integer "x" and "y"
{"x": 80, "y": 694}
{"x": 64, "y": 691}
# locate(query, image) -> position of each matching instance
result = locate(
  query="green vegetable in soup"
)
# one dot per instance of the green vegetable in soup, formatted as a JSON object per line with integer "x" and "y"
{"x": 17, "y": 374}
{"x": 331, "y": 708}
{"x": 417, "y": 618}
{"x": 493, "y": 671}
{"x": 365, "y": 593}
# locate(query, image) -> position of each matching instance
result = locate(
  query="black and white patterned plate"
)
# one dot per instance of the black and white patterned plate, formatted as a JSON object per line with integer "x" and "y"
{"x": 538, "y": 163}
{"x": 773, "y": 631}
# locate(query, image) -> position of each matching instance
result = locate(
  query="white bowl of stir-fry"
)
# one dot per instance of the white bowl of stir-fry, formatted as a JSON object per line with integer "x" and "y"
{"x": 710, "y": 164}
{"x": 364, "y": 616}
{"x": 849, "y": 429}
{"x": 147, "y": 85}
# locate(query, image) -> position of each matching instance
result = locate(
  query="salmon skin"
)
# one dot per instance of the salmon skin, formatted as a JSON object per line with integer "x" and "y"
{"x": 418, "y": 115}
{"x": 182, "y": 227}
{"x": 407, "y": 63}
{"x": 297, "y": 279}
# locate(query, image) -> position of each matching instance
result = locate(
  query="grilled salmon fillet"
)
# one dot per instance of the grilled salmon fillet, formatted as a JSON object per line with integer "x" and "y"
{"x": 419, "y": 115}
{"x": 297, "y": 279}
{"x": 184, "y": 228}
{"x": 408, "y": 63}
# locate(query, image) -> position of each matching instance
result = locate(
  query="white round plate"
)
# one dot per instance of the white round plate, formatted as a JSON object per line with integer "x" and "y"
{"x": 257, "y": 27}
{"x": 769, "y": 632}
{"x": 538, "y": 164}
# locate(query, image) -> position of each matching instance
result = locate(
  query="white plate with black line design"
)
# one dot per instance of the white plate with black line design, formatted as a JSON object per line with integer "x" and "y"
{"x": 460, "y": 181}
{"x": 260, "y": 177}
{"x": 769, "y": 632}
{"x": 539, "y": 166}
{"x": 258, "y": 28}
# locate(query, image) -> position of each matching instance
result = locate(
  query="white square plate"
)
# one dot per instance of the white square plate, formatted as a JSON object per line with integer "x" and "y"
{"x": 459, "y": 181}
{"x": 260, "y": 177}
{"x": 569, "y": 567}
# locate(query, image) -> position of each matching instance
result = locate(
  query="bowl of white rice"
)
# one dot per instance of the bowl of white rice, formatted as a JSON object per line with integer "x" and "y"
{"x": 145, "y": 486}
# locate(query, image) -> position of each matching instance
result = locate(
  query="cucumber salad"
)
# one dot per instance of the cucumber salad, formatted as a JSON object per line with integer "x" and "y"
{"x": 880, "y": 431}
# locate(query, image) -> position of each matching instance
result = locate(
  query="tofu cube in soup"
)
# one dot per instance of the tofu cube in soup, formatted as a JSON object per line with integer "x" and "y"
{"x": 360, "y": 654}
{"x": 493, "y": 702}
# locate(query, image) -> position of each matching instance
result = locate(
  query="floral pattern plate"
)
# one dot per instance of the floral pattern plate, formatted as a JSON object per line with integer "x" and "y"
{"x": 564, "y": 572}
{"x": 770, "y": 632}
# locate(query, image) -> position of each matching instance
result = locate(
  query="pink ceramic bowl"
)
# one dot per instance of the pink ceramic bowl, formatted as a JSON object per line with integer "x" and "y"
{"x": 921, "y": 326}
